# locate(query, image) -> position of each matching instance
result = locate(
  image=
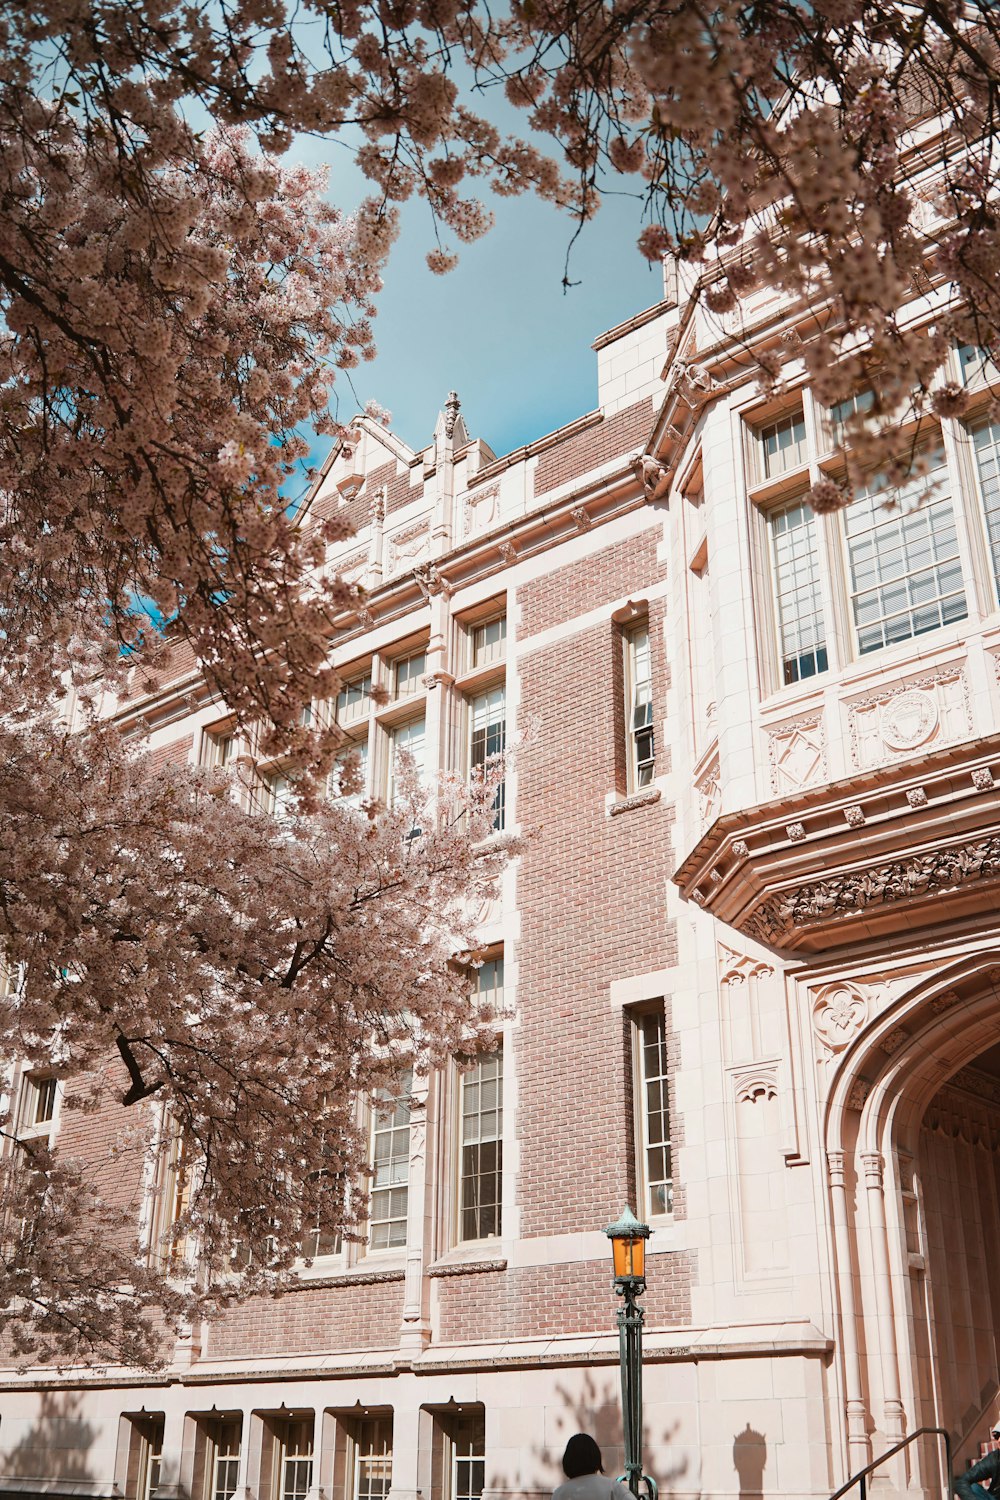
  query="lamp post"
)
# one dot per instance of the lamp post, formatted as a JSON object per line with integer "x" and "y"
{"x": 628, "y": 1243}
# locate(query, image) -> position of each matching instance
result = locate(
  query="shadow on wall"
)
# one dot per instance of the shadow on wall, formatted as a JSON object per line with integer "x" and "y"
{"x": 56, "y": 1446}
{"x": 750, "y": 1461}
{"x": 595, "y": 1409}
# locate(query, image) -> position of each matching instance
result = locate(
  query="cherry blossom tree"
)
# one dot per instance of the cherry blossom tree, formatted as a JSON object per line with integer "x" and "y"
{"x": 176, "y": 304}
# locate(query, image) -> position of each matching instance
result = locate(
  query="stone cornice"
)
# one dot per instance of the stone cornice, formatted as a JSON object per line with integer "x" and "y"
{"x": 877, "y": 853}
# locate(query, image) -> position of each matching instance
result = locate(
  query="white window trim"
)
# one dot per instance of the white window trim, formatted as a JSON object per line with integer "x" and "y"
{"x": 637, "y": 1015}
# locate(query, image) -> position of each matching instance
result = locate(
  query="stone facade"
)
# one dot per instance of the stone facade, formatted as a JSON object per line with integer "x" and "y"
{"x": 774, "y": 942}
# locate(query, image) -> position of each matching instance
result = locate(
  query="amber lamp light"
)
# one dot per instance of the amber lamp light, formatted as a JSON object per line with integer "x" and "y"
{"x": 628, "y": 1245}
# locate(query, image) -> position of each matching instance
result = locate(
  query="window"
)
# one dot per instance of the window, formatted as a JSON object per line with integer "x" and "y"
{"x": 168, "y": 1245}
{"x": 354, "y": 700}
{"x": 145, "y": 1456}
{"x": 293, "y": 1458}
{"x": 489, "y": 642}
{"x": 373, "y": 1458}
{"x": 781, "y": 445}
{"x": 410, "y": 737}
{"x": 480, "y": 1167}
{"x": 488, "y": 737}
{"x": 653, "y": 1109}
{"x": 37, "y": 1111}
{"x": 797, "y": 602}
{"x": 905, "y": 569}
{"x": 390, "y": 1148}
{"x": 975, "y": 364}
{"x": 459, "y": 1459}
{"x": 219, "y": 746}
{"x": 355, "y": 751}
{"x": 222, "y": 1457}
{"x": 318, "y": 1238}
{"x": 279, "y": 793}
{"x": 408, "y": 674}
{"x": 986, "y": 445}
{"x": 639, "y": 708}
{"x": 842, "y": 412}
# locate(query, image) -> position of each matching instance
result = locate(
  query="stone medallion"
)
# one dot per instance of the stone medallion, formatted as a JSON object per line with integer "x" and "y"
{"x": 908, "y": 719}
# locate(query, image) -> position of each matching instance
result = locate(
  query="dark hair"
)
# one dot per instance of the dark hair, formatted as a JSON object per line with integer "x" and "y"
{"x": 582, "y": 1456}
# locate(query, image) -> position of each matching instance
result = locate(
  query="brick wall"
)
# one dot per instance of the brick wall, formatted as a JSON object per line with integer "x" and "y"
{"x": 585, "y": 450}
{"x": 532, "y": 1301}
{"x": 314, "y": 1318}
{"x": 592, "y": 896}
{"x": 627, "y": 567}
{"x": 109, "y": 1140}
{"x": 176, "y": 753}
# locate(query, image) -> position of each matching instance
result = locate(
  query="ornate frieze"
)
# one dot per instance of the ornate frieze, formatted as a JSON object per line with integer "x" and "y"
{"x": 853, "y": 891}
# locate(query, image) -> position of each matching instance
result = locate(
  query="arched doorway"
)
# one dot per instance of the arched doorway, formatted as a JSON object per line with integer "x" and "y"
{"x": 913, "y": 1151}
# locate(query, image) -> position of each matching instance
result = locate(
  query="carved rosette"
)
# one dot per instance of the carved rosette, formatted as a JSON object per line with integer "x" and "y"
{"x": 839, "y": 1012}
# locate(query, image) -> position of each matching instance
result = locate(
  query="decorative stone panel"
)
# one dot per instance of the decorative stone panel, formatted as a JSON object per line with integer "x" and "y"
{"x": 709, "y": 790}
{"x": 908, "y": 718}
{"x": 796, "y": 752}
{"x": 406, "y": 548}
{"x": 480, "y": 510}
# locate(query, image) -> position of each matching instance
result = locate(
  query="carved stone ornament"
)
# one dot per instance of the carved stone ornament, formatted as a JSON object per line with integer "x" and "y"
{"x": 796, "y": 832}
{"x": 581, "y": 520}
{"x": 944, "y": 1001}
{"x": 481, "y": 509}
{"x": 377, "y": 506}
{"x": 908, "y": 719}
{"x": 860, "y": 1089}
{"x": 755, "y": 1084}
{"x": 430, "y": 582}
{"x": 895, "y": 1040}
{"x": 796, "y": 751}
{"x": 916, "y": 796}
{"x": 921, "y": 875}
{"x": 740, "y": 848}
{"x": 982, "y": 779}
{"x": 407, "y": 548}
{"x": 508, "y": 552}
{"x": 366, "y": 618}
{"x": 839, "y": 1012}
{"x": 649, "y": 471}
{"x": 855, "y": 816}
{"x": 737, "y": 968}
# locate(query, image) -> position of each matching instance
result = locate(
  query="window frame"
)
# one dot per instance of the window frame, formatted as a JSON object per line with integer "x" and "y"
{"x": 362, "y": 1449}
{"x": 374, "y": 1113}
{"x": 211, "y": 1433}
{"x": 652, "y": 1010}
{"x": 634, "y": 763}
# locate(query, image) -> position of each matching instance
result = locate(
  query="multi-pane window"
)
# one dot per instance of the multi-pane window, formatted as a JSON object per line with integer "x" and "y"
{"x": 355, "y": 755}
{"x": 222, "y": 1464}
{"x": 37, "y": 1111}
{"x": 654, "y": 1111}
{"x": 390, "y": 1167}
{"x": 796, "y": 583}
{"x": 489, "y": 642}
{"x": 408, "y": 674}
{"x": 410, "y": 737}
{"x": 318, "y": 1237}
{"x": 782, "y": 445}
{"x": 641, "y": 747}
{"x": 279, "y": 793}
{"x": 169, "y": 1246}
{"x": 481, "y": 1148}
{"x": 842, "y": 411}
{"x": 354, "y": 699}
{"x": 975, "y": 362}
{"x": 219, "y": 747}
{"x": 468, "y": 1457}
{"x": 373, "y": 1458}
{"x": 293, "y": 1458}
{"x": 488, "y": 737}
{"x": 986, "y": 445}
{"x": 903, "y": 558}
{"x": 145, "y": 1456}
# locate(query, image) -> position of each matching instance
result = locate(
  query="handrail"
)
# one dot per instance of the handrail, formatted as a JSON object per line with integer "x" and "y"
{"x": 862, "y": 1474}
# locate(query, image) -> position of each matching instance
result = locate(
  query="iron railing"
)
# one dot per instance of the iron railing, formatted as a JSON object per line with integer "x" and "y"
{"x": 861, "y": 1477}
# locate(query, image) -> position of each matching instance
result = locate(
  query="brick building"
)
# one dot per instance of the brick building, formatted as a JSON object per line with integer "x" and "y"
{"x": 750, "y": 953}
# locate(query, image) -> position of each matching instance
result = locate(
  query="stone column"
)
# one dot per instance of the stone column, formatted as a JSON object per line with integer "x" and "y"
{"x": 858, "y": 1451}
{"x": 415, "y": 1332}
{"x": 886, "y": 1322}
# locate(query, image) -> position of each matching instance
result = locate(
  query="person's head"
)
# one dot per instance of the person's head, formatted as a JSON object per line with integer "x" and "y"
{"x": 582, "y": 1456}
{"x": 995, "y": 1433}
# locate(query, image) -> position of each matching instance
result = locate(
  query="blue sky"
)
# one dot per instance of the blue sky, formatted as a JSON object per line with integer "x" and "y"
{"x": 499, "y": 329}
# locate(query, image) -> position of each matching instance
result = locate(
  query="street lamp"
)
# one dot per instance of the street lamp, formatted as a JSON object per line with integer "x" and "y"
{"x": 628, "y": 1243}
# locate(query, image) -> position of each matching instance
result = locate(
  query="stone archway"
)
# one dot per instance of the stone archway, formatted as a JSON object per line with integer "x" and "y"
{"x": 913, "y": 1153}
